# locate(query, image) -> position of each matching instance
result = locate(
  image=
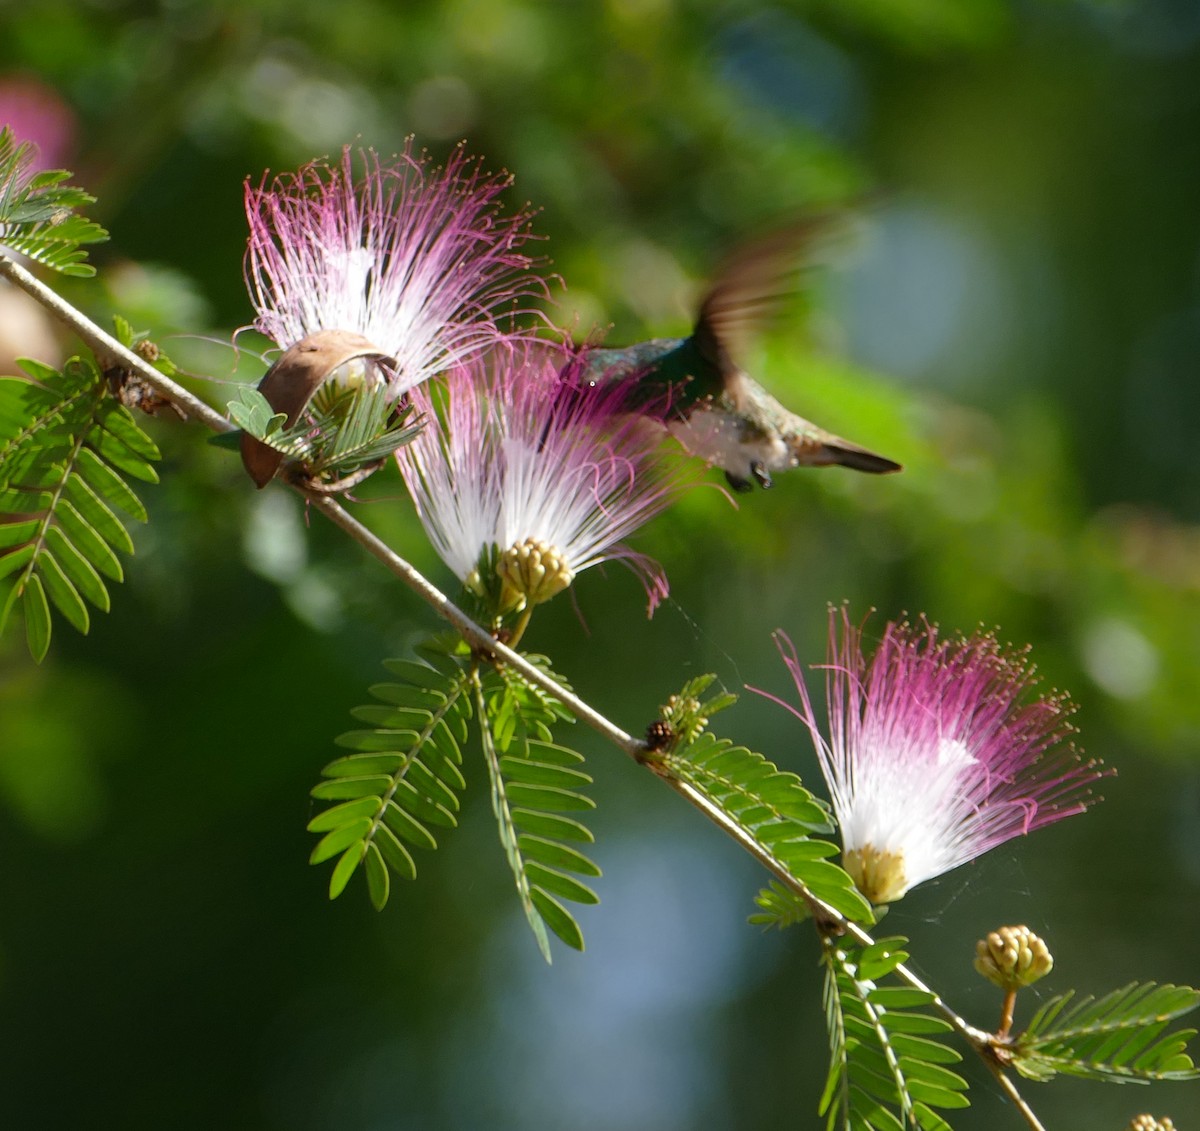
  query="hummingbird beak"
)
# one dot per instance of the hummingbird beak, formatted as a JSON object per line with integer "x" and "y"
{"x": 833, "y": 450}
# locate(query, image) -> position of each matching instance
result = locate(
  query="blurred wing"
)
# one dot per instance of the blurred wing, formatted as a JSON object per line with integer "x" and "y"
{"x": 755, "y": 282}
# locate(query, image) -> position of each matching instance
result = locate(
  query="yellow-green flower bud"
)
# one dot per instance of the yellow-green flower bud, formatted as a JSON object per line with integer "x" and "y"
{"x": 1013, "y": 957}
{"x": 474, "y": 583}
{"x": 531, "y": 572}
{"x": 1149, "y": 1123}
{"x": 878, "y": 874}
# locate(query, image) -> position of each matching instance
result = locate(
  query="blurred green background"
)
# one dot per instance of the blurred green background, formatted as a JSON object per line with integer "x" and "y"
{"x": 1018, "y": 322}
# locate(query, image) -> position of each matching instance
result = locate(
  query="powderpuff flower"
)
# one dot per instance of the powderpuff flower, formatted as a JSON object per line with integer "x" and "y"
{"x": 36, "y": 113}
{"x": 416, "y": 260}
{"x": 936, "y": 751}
{"x": 524, "y": 475}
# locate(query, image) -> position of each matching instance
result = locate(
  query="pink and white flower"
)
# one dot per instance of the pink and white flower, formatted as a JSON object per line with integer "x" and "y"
{"x": 524, "y": 475}
{"x": 936, "y": 751}
{"x": 417, "y": 260}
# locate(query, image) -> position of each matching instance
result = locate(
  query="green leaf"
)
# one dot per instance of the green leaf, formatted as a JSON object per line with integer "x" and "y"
{"x": 378, "y": 882}
{"x": 881, "y": 957}
{"x": 413, "y": 697}
{"x": 336, "y": 434}
{"x": 18, "y": 533}
{"x": 897, "y": 997}
{"x": 904, "y": 1022}
{"x": 394, "y": 854}
{"x": 556, "y": 855}
{"x": 403, "y": 778}
{"x": 559, "y": 883}
{"x": 340, "y": 788}
{"x": 253, "y": 414}
{"x": 37, "y": 212}
{"x": 97, "y": 514}
{"x": 780, "y": 907}
{"x": 532, "y": 780}
{"x": 1120, "y": 1037}
{"x": 551, "y": 826}
{"x": 108, "y": 485}
{"x": 88, "y": 542}
{"x": 76, "y": 568}
{"x": 64, "y": 444}
{"x": 770, "y": 806}
{"x": 880, "y": 1076}
{"x": 343, "y": 814}
{"x": 921, "y": 1048}
{"x": 64, "y": 596}
{"x": 422, "y": 806}
{"x": 529, "y": 772}
{"x": 353, "y": 832}
{"x": 545, "y": 798}
{"x": 345, "y": 868}
{"x": 355, "y": 765}
{"x": 405, "y": 825}
{"x": 37, "y": 618}
{"x": 18, "y": 559}
{"x": 557, "y": 918}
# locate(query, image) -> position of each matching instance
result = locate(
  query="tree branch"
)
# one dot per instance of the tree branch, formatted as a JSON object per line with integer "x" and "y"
{"x": 107, "y": 349}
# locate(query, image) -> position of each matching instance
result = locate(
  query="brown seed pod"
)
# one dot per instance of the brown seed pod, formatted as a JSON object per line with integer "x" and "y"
{"x": 291, "y": 382}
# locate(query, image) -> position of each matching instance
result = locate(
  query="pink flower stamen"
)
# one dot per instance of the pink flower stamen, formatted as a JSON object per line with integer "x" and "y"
{"x": 418, "y": 260}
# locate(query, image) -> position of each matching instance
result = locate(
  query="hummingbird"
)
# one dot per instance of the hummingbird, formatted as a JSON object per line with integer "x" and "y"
{"x": 713, "y": 407}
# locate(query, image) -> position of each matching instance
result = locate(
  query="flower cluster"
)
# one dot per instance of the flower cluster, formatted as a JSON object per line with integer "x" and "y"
{"x": 521, "y": 462}
{"x": 935, "y": 752}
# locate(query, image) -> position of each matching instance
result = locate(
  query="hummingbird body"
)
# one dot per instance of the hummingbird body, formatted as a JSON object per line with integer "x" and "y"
{"x": 721, "y": 414}
{"x": 716, "y": 410}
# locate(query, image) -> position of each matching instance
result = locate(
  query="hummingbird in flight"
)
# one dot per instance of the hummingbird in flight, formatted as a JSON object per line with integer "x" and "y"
{"x": 713, "y": 407}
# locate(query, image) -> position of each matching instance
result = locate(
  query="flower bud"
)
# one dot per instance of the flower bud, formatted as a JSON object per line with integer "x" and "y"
{"x": 1013, "y": 957}
{"x": 1149, "y": 1123}
{"x": 530, "y": 573}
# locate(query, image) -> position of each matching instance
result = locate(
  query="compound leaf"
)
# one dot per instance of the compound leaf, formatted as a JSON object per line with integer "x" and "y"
{"x": 770, "y": 806}
{"x": 880, "y": 1076}
{"x": 1121, "y": 1037}
{"x": 65, "y": 445}
{"x": 37, "y": 211}
{"x": 534, "y": 780}
{"x": 403, "y": 777}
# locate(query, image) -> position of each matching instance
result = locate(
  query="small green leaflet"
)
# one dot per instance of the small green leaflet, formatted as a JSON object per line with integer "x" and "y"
{"x": 37, "y": 212}
{"x": 349, "y": 432}
{"x": 66, "y": 448}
